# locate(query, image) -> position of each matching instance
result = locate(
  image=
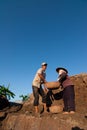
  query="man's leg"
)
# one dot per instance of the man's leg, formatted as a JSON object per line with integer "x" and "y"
{"x": 36, "y": 98}
{"x": 71, "y": 100}
{"x": 41, "y": 91}
{"x": 65, "y": 100}
{"x": 36, "y": 109}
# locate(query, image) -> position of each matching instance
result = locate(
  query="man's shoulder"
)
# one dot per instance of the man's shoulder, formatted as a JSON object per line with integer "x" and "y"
{"x": 39, "y": 70}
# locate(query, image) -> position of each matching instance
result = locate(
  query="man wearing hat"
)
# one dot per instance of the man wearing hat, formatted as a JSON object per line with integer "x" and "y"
{"x": 39, "y": 79}
{"x": 68, "y": 92}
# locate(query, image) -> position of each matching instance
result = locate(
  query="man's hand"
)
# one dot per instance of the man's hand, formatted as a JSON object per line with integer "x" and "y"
{"x": 45, "y": 81}
{"x": 46, "y": 89}
{"x": 42, "y": 78}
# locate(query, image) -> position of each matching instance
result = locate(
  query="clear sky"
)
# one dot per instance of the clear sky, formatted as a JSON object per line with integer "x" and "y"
{"x": 34, "y": 31}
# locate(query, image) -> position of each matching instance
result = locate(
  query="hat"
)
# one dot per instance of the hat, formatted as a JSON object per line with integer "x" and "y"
{"x": 44, "y": 64}
{"x": 60, "y": 68}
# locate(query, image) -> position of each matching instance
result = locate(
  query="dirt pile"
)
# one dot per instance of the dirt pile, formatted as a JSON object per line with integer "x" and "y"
{"x": 21, "y": 116}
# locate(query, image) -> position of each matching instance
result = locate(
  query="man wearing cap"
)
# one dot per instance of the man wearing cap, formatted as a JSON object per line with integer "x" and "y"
{"x": 39, "y": 79}
{"x": 68, "y": 92}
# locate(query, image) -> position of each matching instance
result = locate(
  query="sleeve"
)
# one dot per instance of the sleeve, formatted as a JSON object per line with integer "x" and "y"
{"x": 62, "y": 77}
{"x": 39, "y": 71}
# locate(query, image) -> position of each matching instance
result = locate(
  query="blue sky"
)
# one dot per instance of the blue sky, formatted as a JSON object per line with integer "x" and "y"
{"x": 34, "y": 31}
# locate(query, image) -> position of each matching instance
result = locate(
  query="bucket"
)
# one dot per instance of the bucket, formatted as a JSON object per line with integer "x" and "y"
{"x": 52, "y": 85}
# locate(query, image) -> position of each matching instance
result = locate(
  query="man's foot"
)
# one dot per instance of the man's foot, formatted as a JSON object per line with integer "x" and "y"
{"x": 66, "y": 112}
{"x": 72, "y": 112}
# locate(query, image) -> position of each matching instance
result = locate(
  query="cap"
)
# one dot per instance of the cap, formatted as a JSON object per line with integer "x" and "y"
{"x": 60, "y": 68}
{"x": 44, "y": 64}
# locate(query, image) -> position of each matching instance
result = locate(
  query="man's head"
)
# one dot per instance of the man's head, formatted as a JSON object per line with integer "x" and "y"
{"x": 44, "y": 65}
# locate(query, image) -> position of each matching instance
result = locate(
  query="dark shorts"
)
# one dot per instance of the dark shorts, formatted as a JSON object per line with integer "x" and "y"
{"x": 36, "y": 92}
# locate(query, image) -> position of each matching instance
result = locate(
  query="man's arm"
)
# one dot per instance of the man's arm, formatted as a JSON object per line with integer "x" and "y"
{"x": 42, "y": 78}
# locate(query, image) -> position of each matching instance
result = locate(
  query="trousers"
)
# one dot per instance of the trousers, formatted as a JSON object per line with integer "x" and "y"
{"x": 69, "y": 98}
{"x": 36, "y": 92}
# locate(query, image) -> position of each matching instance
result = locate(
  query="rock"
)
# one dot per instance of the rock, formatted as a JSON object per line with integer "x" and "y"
{"x": 59, "y": 122}
{"x": 56, "y": 109}
{"x": 2, "y": 115}
{"x": 22, "y": 117}
{"x": 3, "y": 102}
{"x": 86, "y": 115}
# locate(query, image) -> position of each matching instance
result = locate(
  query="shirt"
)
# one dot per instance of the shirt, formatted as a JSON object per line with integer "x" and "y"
{"x": 37, "y": 80}
{"x": 65, "y": 80}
